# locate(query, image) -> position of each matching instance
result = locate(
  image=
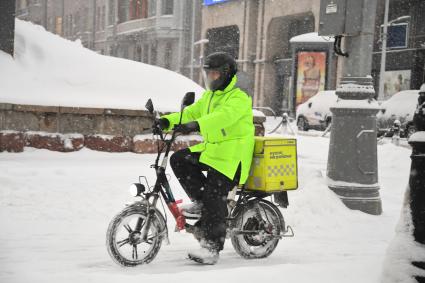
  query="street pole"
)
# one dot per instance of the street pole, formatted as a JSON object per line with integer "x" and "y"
{"x": 417, "y": 180}
{"x": 383, "y": 52}
{"x": 192, "y": 40}
{"x": 7, "y": 26}
{"x": 352, "y": 161}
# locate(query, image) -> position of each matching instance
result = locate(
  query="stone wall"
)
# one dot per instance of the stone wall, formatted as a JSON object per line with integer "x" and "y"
{"x": 54, "y": 119}
{"x": 70, "y": 128}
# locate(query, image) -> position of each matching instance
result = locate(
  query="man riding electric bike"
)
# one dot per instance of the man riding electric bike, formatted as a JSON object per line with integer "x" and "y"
{"x": 223, "y": 116}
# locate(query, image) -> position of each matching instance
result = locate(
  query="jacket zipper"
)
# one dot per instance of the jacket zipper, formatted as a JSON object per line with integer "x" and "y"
{"x": 208, "y": 110}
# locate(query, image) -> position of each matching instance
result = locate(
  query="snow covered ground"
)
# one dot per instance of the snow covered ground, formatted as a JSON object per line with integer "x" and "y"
{"x": 55, "y": 208}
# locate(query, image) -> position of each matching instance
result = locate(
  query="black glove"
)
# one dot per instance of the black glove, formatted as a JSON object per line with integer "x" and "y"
{"x": 161, "y": 123}
{"x": 187, "y": 128}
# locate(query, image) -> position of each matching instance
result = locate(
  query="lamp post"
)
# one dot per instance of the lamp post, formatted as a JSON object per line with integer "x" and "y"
{"x": 7, "y": 26}
{"x": 384, "y": 47}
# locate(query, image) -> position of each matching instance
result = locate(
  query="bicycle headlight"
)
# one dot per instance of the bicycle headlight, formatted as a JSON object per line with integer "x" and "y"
{"x": 136, "y": 189}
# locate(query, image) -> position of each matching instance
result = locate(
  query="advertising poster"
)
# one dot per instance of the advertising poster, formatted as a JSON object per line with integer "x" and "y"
{"x": 395, "y": 81}
{"x": 311, "y": 74}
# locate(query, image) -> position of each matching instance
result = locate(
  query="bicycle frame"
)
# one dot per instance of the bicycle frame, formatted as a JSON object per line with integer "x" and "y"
{"x": 162, "y": 186}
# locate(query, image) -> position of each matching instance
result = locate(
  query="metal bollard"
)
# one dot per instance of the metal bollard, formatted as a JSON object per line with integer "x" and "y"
{"x": 417, "y": 178}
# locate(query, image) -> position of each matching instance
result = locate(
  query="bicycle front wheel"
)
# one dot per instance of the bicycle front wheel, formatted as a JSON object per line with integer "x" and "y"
{"x": 124, "y": 237}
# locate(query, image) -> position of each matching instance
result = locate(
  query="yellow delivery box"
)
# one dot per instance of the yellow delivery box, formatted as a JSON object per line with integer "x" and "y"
{"x": 274, "y": 165}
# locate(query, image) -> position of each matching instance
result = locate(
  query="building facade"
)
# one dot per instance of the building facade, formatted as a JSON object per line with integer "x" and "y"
{"x": 405, "y": 54}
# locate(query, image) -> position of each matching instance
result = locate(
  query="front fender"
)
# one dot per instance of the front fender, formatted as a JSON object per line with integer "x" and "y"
{"x": 142, "y": 205}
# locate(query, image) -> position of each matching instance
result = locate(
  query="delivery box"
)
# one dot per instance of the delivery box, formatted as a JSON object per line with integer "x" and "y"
{"x": 274, "y": 165}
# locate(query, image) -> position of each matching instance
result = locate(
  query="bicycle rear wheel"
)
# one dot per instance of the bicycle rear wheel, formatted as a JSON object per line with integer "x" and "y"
{"x": 257, "y": 230}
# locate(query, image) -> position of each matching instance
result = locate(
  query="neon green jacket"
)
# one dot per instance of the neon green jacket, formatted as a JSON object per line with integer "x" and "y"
{"x": 226, "y": 123}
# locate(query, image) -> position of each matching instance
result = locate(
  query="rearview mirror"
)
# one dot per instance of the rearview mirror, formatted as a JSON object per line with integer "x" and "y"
{"x": 149, "y": 106}
{"x": 188, "y": 99}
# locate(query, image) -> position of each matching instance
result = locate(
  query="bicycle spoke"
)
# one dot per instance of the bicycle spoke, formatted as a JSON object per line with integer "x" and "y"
{"x": 123, "y": 242}
{"x": 128, "y": 228}
{"x": 134, "y": 255}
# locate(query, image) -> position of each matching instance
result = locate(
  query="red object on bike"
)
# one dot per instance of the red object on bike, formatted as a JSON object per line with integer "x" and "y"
{"x": 179, "y": 201}
{"x": 180, "y": 219}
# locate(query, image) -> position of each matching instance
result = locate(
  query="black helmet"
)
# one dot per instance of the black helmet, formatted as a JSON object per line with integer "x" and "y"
{"x": 225, "y": 64}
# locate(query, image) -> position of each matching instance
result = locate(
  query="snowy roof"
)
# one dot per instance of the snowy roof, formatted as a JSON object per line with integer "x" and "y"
{"x": 311, "y": 37}
{"x": 50, "y": 70}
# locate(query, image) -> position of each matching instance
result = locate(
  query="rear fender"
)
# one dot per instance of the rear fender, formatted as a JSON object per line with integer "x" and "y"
{"x": 262, "y": 202}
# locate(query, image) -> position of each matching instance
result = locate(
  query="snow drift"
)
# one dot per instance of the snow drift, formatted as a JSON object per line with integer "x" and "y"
{"x": 50, "y": 70}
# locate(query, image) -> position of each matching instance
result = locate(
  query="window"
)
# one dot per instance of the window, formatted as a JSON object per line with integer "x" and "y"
{"x": 138, "y": 55}
{"x": 153, "y": 54}
{"x": 123, "y": 10}
{"x": 167, "y": 7}
{"x": 36, "y": 2}
{"x": 71, "y": 25}
{"x": 125, "y": 52}
{"x": 397, "y": 35}
{"x": 225, "y": 39}
{"x": 152, "y": 8}
{"x": 144, "y": 9}
{"x": 111, "y": 12}
{"x": 167, "y": 55}
{"x": 102, "y": 18}
{"x": 145, "y": 58}
{"x": 58, "y": 25}
{"x": 22, "y": 4}
{"x": 97, "y": 18}
{"x": 135, "y": 9}
{"x": 138, "y": 9}
{"x": 76, "y": 24}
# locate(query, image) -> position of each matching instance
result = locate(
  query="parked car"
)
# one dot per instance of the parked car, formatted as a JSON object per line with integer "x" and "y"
{"x": 315, "y": 113}
{"x": 401, "y": 106}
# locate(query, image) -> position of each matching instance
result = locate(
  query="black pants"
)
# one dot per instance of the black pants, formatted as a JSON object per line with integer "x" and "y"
{"x": 211, "y": 190}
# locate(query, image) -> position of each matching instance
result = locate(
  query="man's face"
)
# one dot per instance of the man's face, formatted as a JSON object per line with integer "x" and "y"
{"x": 212, "y": 75}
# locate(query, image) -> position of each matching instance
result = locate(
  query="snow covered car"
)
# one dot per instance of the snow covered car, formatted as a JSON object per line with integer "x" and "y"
{"x": 315, "y": 113}
{"x": 401, "y": 106}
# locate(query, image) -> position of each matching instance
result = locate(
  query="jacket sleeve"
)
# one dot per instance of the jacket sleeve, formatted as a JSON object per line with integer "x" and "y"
{"x": 190, "y": 113}
{"x": 228, "y": 114}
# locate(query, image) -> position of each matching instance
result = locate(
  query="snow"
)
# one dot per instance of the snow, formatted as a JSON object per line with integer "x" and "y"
{"x": 50, "y": 70}
{"x": 334, "y": 183}
{"x": 357, "y": 104}
{"x": 6, "y": 132}
{"x": 311, "y": 37}
{"x": 320, "y": 105}
{"x": 356, "y": 88}
{"x": 417, "y": 137}
{"x": 187, "y": 138}
{"x": 258, "y": 113}
{"x": 54, "y": 135}
{"x": 403, "y": 250}
{"x": 55, "y": 208}
{"x": 400, "y": 105}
